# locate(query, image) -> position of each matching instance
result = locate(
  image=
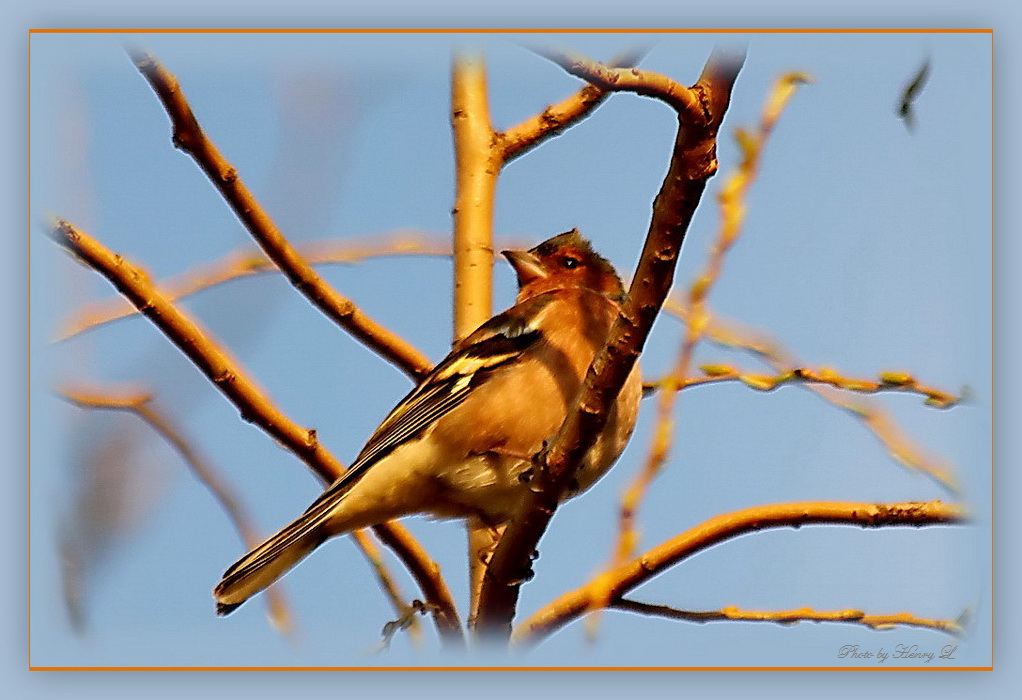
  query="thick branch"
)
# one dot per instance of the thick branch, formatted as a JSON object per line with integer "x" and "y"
{"x": 732, "y": 206}
{"x": 189, "y": 137}
{"x": 720, "y": 529}
{"x": 692, "y": 162}
{"x": 476, "y": 182}
{"x": 230, "y": 378}
{"x": 201, "y": 348}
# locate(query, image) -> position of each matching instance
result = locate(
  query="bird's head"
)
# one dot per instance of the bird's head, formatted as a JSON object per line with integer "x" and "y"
{"x": 566, "y": 261}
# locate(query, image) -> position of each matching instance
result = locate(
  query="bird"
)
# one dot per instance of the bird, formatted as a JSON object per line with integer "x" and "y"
{"x": 462, "y": 443}
{"x": 909, "y": 94}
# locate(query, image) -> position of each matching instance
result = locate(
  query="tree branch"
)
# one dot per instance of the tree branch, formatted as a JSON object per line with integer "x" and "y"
{"x": 877, "y": 421}
{"x": 140, "y": 403}
{"x": 190, "y": 138}
{"x": 251, "y": 261}
{"x": 525, "y": 136}
{"x": 232, "y": 380}
{"x": 732, "y": 207}
{"x": 720, "y": 529}
{"x": 426, "y": 573}
{"x": 700, "y": 110}
{"x": 897, "y": 382}
{"x": 480, "y": 155}
{"x": 790, "y": 617}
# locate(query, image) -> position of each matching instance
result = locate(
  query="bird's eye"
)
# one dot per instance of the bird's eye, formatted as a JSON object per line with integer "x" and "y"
{"x": 569, "y": 262}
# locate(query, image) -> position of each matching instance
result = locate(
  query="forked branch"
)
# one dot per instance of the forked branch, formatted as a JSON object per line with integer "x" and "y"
{"x": 200, "y": 346}
{"x": 700, "y": 111}
{"x": 634, "y": 573}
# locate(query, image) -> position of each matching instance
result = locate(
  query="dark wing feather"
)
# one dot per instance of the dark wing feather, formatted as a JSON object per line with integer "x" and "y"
{"x": 496, "y": 344}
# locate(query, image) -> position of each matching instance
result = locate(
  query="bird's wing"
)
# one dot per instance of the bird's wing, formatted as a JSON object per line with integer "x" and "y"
{"x": 496, "y": 344}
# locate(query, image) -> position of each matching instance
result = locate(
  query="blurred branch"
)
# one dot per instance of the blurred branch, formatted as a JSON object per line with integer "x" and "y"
{"x": 719, "y": 529}
{"x": 700, "y": 111}
{"x": 231, "y": 379}
{"x": 790, "y": 617}
{"x": 248, "y": 262}
{"x": 190, "y": 138}
{"x": 140, "y": 403}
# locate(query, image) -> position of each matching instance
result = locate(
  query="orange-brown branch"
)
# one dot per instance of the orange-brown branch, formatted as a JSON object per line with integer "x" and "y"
{"x": 901, "y": 448}
{"x": 525, "y": 136}
{"x": 700, "y": 110}
{"x": 720, "y": 529}
{"x": 190, "y": 138}
{"x": 232, "y": 380}
{"x": 790, "y": 617}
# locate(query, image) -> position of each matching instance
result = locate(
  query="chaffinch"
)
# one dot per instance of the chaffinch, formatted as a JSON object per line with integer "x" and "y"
{"x": 461, "y": 444}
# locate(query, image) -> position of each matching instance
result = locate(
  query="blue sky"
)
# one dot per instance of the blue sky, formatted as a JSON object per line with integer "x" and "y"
{"x": 867, "y": 248}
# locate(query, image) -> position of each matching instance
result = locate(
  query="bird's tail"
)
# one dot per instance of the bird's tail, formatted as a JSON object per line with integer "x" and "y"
{"x": 269, "y": 561}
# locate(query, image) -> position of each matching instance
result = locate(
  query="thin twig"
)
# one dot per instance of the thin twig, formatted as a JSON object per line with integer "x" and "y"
{"x": 626, "y": 79}
{"x": 397, "y": 599}
{"x": 427, "y": 573}
{"x": 248, "y": 262}
{"x": 553, "y": 120}
{"x": 791, "y": 617}
{"x": 899, "y": 446}
{"x": 888, "y": 382}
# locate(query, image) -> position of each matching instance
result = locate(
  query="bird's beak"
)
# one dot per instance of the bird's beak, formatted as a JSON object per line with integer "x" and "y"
{"x": 527, "y": 266}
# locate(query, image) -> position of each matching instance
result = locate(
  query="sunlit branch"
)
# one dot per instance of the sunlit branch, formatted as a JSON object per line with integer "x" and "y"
{"x": 888, "y": 382}
{"x": 232, "y": 380}
{"x": 719, "y": 529}
{"x": 790, "y": 617}
{"x": 525, "y": 136}
{"x": 371, "y": 552}
{"x": 426, "y": 573}
{"x": 693, "y": 161}
{"x": 732, "y": 213}
{"x": 480, "y": 154}
{"x": 190, "y": 138}
{"x": 894, "y": 440}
